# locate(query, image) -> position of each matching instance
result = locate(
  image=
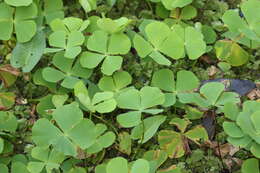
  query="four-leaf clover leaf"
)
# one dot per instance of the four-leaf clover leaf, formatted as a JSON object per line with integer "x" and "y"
{"x": 67, "y": 35}
{"x": 102, "y": 102}
{"x": 74, "y": 131}
{"x": 105, "y": 47}
{"x": 174, "y": 143}
{"x": 22, "y": 22}
{"x": 211, "y": 94}
{"x": 68, "y": 72}
{"x": 48, "y": 159}
{"x": 186, "y": 82}
{"x": 139, "y": 102}
{"x": 173, "y": 42}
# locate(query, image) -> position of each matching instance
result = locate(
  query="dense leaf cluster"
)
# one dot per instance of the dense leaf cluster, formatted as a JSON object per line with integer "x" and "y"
{"x": 113, "y": 86}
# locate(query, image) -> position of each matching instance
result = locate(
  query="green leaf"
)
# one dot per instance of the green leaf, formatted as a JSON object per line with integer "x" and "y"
{"x": 129, "y": 99}
{"x": 1, "y": 146}
{"x": 186, "y": 81}
{"x": 171, "y": 4}
{"x": 48, "y": 159}
{"x": 111, "y": 64}
{"x": 125, "y": 143}
{"x": 194, "y": 43}
{"x": 8, "y": 121}
{"x": 140, "y": 165}
{"x": 102, "y": 102}
{"x": 188, "y": 12}
{"x": 231, "y": 111}
{"x": 18, "y": 3}
{"x": 102, "y": 142}
{"x": 88, "y": 5}
{"x": 118, "y": 44}
{"x": 250, "y": 165}
{"x": 129, "y": 119}
{"x": 27, "y": 55}
{"x": 19, "y": 167}
{"x": 255, "y": 149}
{"x": 59, "y": 100}
{"x": 210, "y": 35}
{"x": 255, "y": 120}
{"x": 117, "y": 165}
{"x": 53, "y": 9}
{"x": 24, "y": 26}
{"x": 115, "y": 83}
{"x": 150, "y": 97}
{"x": 105, "y": 47}
{"x": 147, "y": 129}
{"x": 70, "y": 71}
{"x": 75, "y": 130}
{"x": 52, "y": 75}
{"x": 6, "y": 25}
{"x": 67, "y": 35}
{"x": 139, "y": 101}
{"x": 164, "y": 79}
{"x": 232, "y": 130}
{"x": 212, "y": 91}
{"x": 3, "y": 168}
{"x": 113, "y": 26}
{"x": 142, "y": 47}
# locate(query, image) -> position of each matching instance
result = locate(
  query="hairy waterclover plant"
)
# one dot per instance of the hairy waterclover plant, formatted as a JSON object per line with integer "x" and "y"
{"x": 107, "y": 44}
{"x": 67, "y": 36}
{"x": 175, "y": 143}
{"x": 174, "y": 42}
{"x": 138, "y": 102}
{"x": 102, "y": 102}
{"x": 211, "y": 94}
{"x": 19, "y": 19}
{"x": 243, "y": 129}
{"x": 68, "y": 72}
{"x": 46, "y": 159}
{"x": 164, "y": 79}
{"x": 74, "y": 132}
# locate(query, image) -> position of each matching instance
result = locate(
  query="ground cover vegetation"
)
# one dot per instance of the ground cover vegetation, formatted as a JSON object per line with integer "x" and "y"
{"x": 129, "y": 86}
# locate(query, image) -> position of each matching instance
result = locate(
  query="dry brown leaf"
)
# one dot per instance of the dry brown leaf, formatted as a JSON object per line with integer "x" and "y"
{"x": 212, "y": 71}
{"x": 8, "y": 68}
{"x": 254, "y": 94}
{"x": 226, "y": 149}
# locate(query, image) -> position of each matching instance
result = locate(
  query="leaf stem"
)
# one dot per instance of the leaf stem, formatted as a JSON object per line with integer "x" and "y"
{"x": 107, "y": 123}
